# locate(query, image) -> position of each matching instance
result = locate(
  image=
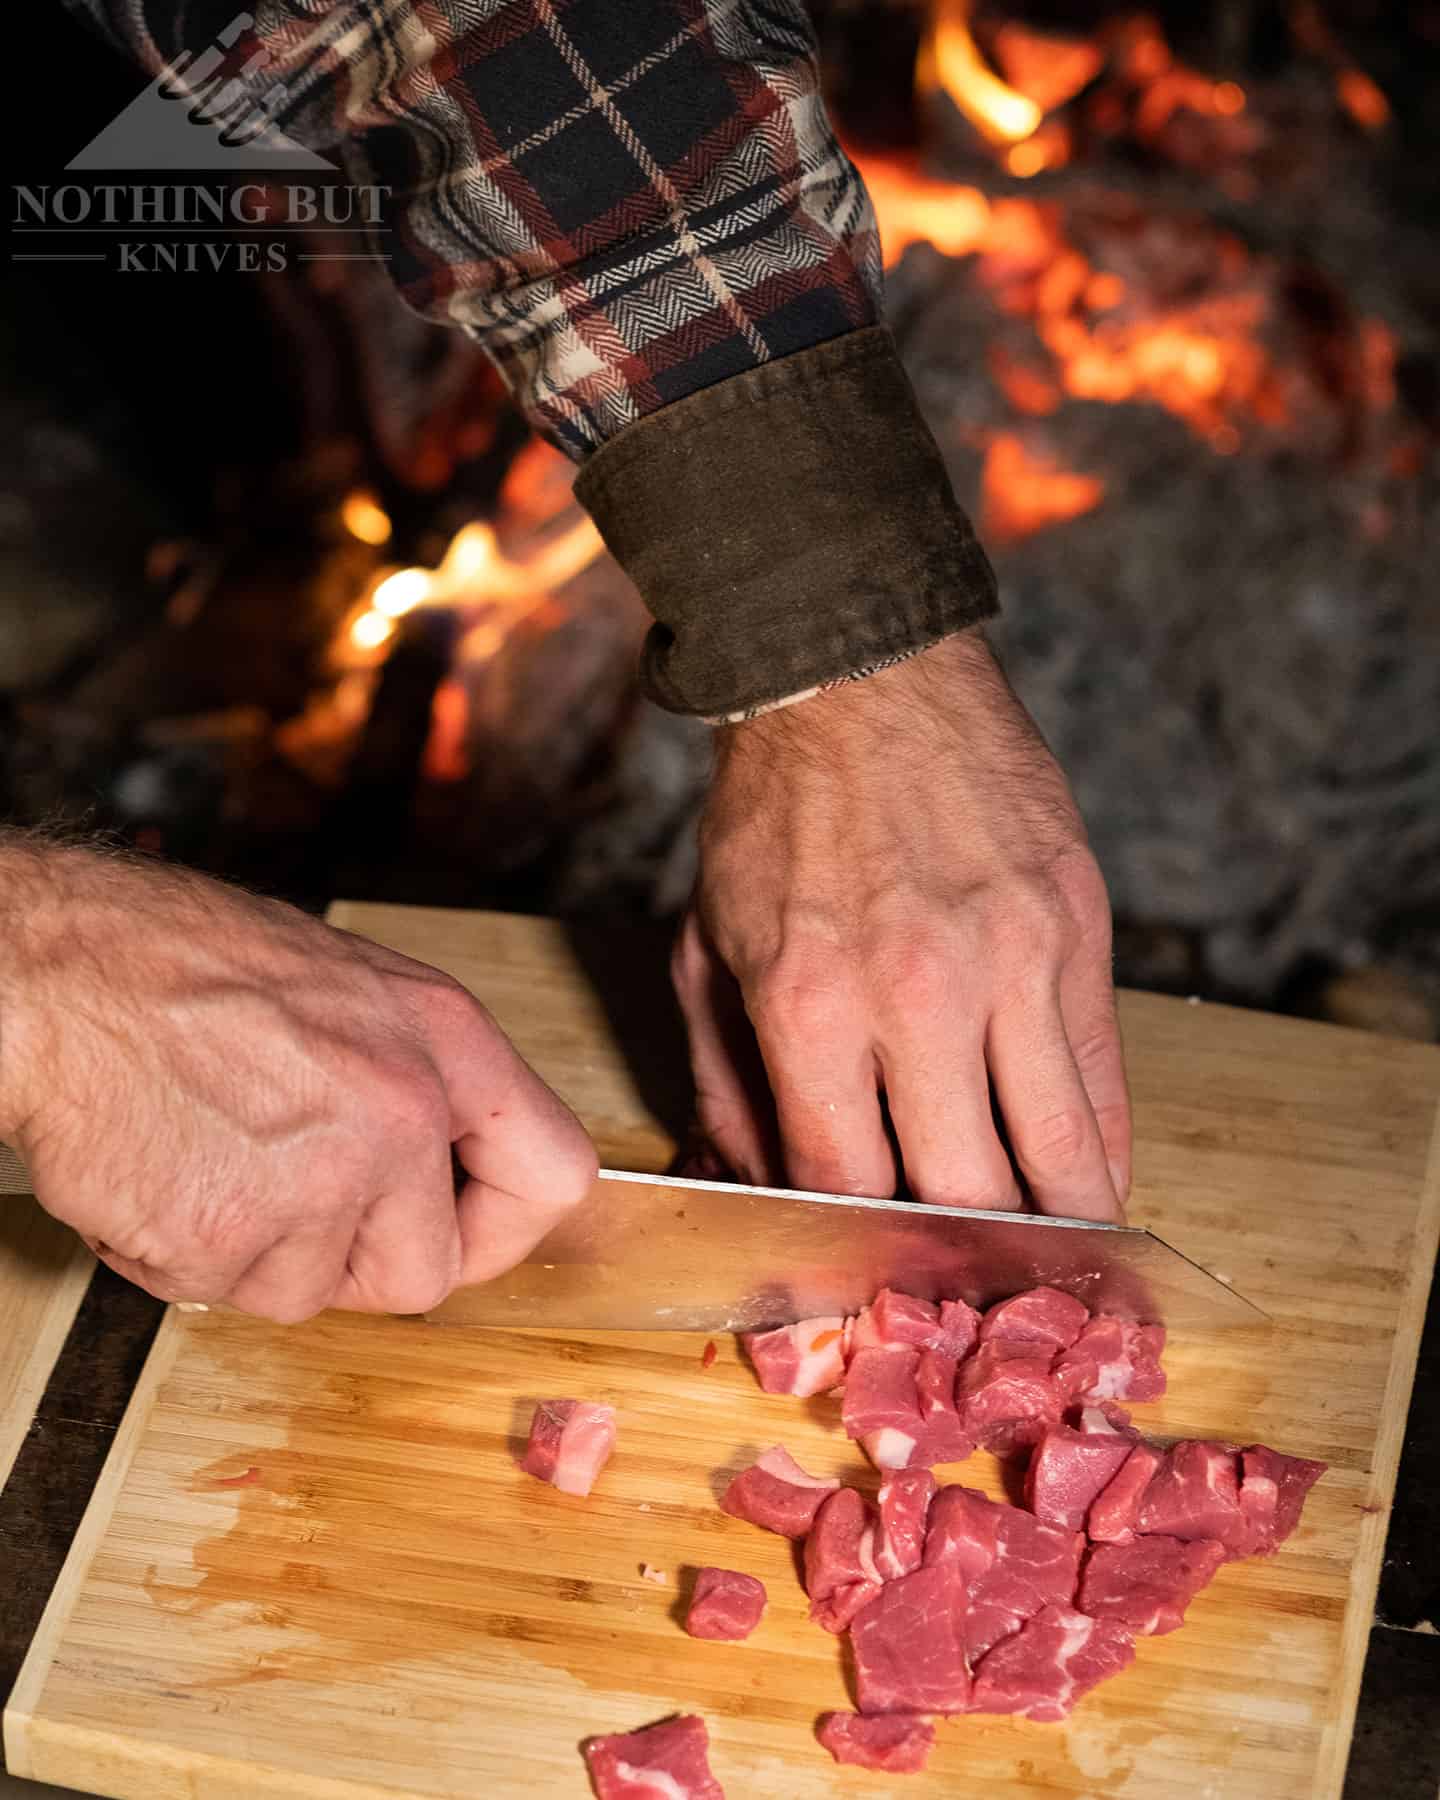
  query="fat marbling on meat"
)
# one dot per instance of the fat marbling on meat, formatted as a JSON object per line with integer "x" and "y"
{"x": 570, "y": 1443}
{"x": 1148, "y": 1583}
{"x": 777, "y": 1494}
{"x": 896, "y": 1743}
{"x": 668, "y": 1761}
{"x": 1055, "y": 1659}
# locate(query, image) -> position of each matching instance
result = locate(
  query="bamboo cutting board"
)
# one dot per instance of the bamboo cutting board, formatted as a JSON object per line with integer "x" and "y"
{"x": 311, "y": 1568}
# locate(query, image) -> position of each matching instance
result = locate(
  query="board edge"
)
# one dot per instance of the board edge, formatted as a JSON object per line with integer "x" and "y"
{"x": 1334, "y": 1753}
{"x": 23, "y": 1702}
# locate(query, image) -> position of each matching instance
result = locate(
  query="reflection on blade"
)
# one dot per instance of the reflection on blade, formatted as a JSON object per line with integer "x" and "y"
{"x": 649, "y": 1252}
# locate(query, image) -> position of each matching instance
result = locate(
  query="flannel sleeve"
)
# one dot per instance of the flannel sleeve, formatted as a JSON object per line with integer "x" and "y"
{"x": 640, "y": 209}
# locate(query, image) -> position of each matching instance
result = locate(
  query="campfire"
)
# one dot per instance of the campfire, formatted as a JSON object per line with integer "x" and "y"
{"x": 1170, "y": 341}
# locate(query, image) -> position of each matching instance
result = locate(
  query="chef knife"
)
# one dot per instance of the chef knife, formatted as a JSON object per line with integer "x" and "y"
{"x": 657, "y": 1253}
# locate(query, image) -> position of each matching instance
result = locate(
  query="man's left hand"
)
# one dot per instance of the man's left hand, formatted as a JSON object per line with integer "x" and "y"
{"x": 897, "y": 898}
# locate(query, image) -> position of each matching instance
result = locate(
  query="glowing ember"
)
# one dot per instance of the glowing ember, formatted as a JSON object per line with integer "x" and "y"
{"x": 1047, "y": 70}
{"x": 950, "y": 62}
{"x": 364, "y": 518}
{"x": 400, "y": 593}
{"x": 911, "y": 208}
{"x": 1021, "y": 492}
{"x": 1361, "y": 98}
{"x": 370, "y": 630}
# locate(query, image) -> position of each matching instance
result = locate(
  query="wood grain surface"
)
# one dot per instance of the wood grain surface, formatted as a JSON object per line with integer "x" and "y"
{"x": 313, "y": 1569}
{"x": 44, "y": 1271}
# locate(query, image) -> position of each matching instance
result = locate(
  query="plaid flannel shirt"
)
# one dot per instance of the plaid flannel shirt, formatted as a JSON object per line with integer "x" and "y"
{"x": 636, "y": 204}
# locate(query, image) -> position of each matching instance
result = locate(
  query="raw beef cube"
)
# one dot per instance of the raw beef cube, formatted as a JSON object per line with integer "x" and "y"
{"x": 1044, "y": 1317}
{"x": 909, "y": 1646}
{"x": 941, "y": 1438}
{"x": 1113, "y": 1359}
{"x": 725, "y": 1604}
{"x": 904, "y": 1503}
{"x": 668, "y": 1761}
{"x": 570, "y": 1443}
{"x": 1006, "y": 1400}
{"x": 840, "y": 1559}
{"x": 895, "y": 1742}
{"x": 1147, "y": 1584}
{"x": 1035, "y": 1566}
{"x": 1113, "y": 1513}
{"x": 897, "y": 1322}
{"x": 1272, "y": 1495}
{"x": 777, "y": 1493}
{"x": 1011, "y": 1564}
{"x": 1049, "y": 1664}
{"x": 882, "y": 1405}
{"x": 1195, "y": 1493}
{"x": 802, "y": 1359}
{"x": 959, "y": 1328}
{"x": 1069, "y": 1469}
{"x": 963, "y": 1529}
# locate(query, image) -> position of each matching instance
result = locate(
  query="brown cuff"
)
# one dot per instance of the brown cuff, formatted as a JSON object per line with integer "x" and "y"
{"x": 788, "y": 528}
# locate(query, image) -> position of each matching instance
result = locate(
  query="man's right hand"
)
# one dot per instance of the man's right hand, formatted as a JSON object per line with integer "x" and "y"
{"x": 234, "y": 1102}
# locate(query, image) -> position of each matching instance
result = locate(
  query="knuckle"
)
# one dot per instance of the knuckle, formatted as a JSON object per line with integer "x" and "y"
{"x": 917, "y": 975}
{"x": 798, "y": 992}
{"x": 417, "y": 1292}
{"x": 1056, "y": 1143}
{"x": 1080, "y": 888}
{"x": 285, "y": 1309}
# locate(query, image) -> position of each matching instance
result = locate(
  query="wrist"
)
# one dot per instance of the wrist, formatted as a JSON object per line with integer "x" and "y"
{"x": 949, "y": 681}
{"x": 33, "y": 879}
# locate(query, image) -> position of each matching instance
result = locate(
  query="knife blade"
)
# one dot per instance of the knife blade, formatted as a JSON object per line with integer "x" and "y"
{"x": 661, "y": 1253}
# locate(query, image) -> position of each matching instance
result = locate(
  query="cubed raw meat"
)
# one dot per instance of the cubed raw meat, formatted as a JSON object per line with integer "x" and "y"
{"x": 570, "y": 1443}
{"x": 904, "y": 1506}
{"x": 1035, "y": 1566}
{"x": 959, "y": 1328}
{"x": 881, "y": 1408}
{"x": 776, "y": 1493}
{"x": 1195, "y": 1493}
{"x": 1070, "y": 1468}
{"x": 1112, "y": 1359}
{"x": 1273, "y": 1488}
{"x": 1148, "y": 1583}
{"x": 1114, "y": 1512}
{"x": 840, "y": 1569}
{"x": 802, "y": 1359}
{"x": 1005, "y": 1400}
{"x": 897, "y": 1322}
{"x": 963, "y": 1529}
{"x": 668, "y": 1761}
{"x": 725, "y": 1604}
{"x": 941, "y": 1438}
{"x": 1050, "y": 1663}
{"x": 1044, "y": 1317}
{"x": 909, "y": 1645}
{"x": 897, "y": 1743}
{"x": 1010, "y": 1563}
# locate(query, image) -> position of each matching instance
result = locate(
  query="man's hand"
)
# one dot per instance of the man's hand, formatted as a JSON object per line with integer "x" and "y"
{"x": 235, "y": 1102}
{"x": 895, "y": 883}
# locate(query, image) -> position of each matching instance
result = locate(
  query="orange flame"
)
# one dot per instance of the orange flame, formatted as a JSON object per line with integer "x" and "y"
{"x": 1021, "y": 492}
{"x": 950, "y": 62}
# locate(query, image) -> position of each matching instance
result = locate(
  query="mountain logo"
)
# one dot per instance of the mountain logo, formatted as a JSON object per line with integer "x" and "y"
{"x": 199, "y": 114}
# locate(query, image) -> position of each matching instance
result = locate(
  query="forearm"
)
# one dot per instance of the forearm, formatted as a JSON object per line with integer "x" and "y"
{"x": 31, "y": 876}
{"x": 648, "y": 222}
